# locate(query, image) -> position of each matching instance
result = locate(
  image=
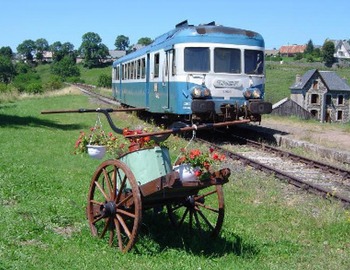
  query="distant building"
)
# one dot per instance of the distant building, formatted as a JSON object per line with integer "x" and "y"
{"x": 324, "y": 94}
{"x": 291, "y": 50}
{"x": 342, "y": 49}
{"x": 115, "y": 54}
{"x": 271, "y": 53}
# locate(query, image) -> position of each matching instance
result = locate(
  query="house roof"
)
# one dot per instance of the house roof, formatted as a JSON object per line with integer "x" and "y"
{"x": 116, "y": 53}
{"x": 330, "y": 78}
{"x": 292, "y": 49}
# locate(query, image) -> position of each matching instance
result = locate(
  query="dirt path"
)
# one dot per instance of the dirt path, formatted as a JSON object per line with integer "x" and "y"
{"x": 328, "y": 135}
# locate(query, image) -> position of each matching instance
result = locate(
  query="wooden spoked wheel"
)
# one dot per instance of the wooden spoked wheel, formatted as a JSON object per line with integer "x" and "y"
{"x": 204, "y": 211}
{"x": 114, "y": 207}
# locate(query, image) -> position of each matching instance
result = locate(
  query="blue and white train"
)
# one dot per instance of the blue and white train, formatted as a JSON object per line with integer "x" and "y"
{"x": 207, "y": 73}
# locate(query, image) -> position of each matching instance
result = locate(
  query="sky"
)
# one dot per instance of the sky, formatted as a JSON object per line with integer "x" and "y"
{"x": 279, "y": 22}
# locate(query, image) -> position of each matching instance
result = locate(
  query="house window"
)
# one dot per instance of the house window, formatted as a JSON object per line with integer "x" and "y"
{"x": 339, "y": 115}
{"x": 340, "y": 100}
{"x": 315, "y": 99}
{"x": 328, "y": 99}
{"x": 314, "y": 113}
{"x": 315, "y": 84}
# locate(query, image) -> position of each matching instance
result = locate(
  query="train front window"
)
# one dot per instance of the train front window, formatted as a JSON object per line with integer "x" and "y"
{"x": 253, "y": 62}
{"x": 197, "y": 59}
{"x": 227, "y": 60}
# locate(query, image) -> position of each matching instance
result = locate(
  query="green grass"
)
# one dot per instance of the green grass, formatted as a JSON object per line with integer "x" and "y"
{"x": 43, "y": 193}
{"x": 90, "y": 76}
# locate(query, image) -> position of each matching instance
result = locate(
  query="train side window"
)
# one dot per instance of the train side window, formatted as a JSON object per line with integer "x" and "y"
{"x": 116, "y": 73}
{"x": 132, "y": 70}
{"x": 137, "y": 69}
{"x": 123, "y": 72}
{"x": 253, "y": 62}
{"x": 143, "y": 68}
{"x": 227, "y": 60}
{"x": 197, "y": 59}
{"x": 156, "y": 65}
{"x": 173, "y": 64}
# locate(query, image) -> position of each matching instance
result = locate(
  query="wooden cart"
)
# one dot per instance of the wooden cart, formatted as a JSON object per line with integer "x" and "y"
{"x": 122, "y": 189}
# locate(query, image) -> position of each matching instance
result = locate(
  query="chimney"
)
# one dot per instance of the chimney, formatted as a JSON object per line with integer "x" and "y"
{"x": 297, "y": 79}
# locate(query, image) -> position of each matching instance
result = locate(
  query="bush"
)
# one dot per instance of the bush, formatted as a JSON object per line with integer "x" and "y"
{"x": 28, "y": 82}
{"x": 105, "y": 80}
{"x": 34, "y": 88}
{"x": 54, "y": 83}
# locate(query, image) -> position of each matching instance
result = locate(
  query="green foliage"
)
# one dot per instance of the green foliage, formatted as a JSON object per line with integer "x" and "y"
{"x": 54, "y": 83}
{"x": 59, "y": 51}
{"x": 22, "y": 67}
{"x": 328, "y": 50}
{"x": 6, "y": 51}
{"x": 28, "y": 82}
{"x": 7, "y": 69}
{"x": 145, "y": 41}
{"x": 105, "y": 80}
{"x": 65, "y": 68}
{"x": 93, "y": 50}
{"x": 122, "y": 42}
{"x": 27, "y": 48}
{"x": 309, "y": 47}
{"x": 298, "y": 56}
{"x": 3, "y": 87}
{"x": 34, "y": 88}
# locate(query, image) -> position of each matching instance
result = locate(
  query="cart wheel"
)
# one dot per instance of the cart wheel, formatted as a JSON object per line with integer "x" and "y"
{"x": 114, "y": 204}
{"x": 204, "y": 210}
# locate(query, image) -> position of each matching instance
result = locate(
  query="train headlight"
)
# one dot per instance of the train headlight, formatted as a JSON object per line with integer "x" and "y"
{"x": 206, "y": 92}
{"x": 256, "y": 93}
{"x": 252, "y": 93}
{"x": 196, "y": 92}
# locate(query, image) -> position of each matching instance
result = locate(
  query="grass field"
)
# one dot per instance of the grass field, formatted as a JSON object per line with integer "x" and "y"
{"x": 43, "y": 193}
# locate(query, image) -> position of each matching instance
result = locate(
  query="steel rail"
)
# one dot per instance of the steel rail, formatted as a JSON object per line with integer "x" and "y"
{"x": 313, "y": 188}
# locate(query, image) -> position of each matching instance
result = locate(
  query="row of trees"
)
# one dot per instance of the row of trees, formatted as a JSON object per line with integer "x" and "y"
{"x": 63, "y": 67}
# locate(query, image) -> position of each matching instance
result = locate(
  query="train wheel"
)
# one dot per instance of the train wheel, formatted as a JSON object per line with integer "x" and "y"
{"x": 205, "y": 211}
{"x": 114, "y": 207}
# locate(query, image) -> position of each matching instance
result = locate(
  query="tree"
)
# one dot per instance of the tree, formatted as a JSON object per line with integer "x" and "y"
{"x": 41, "y": 46}
{"x": 65, "y": 68}
{"x": 7, "y": 70}
{"x": 122, "y": 43}
{"x": 27, "y": 48}
{"x": 328, "y": 50}
{"x": 93, "y": 50}
{"x": 6, "y": 52}
{"x": 309, "y": 47}
{"x": 145, "y": 41}
{"x": 59, "y": 50}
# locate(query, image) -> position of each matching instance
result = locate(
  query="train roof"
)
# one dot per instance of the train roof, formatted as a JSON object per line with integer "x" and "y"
{"x": 211, "y": 32}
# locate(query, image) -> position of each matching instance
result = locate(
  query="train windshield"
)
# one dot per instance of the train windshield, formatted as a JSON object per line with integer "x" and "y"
{"x": 197, "y": 59}
{"x": 227, "y": 60}
{"x": 253, "y": 62}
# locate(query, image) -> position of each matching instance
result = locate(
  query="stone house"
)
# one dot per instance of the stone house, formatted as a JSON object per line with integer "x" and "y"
{"x": 324, "y": 94}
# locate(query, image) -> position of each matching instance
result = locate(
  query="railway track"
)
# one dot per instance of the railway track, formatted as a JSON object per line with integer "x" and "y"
{"x": 314, "y": 176}
{"x": 311, "y": 175}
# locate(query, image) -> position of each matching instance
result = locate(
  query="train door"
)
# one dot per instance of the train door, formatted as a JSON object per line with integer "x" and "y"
{"x": 166, "y": 78}
{"x": 147, "y": 90}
